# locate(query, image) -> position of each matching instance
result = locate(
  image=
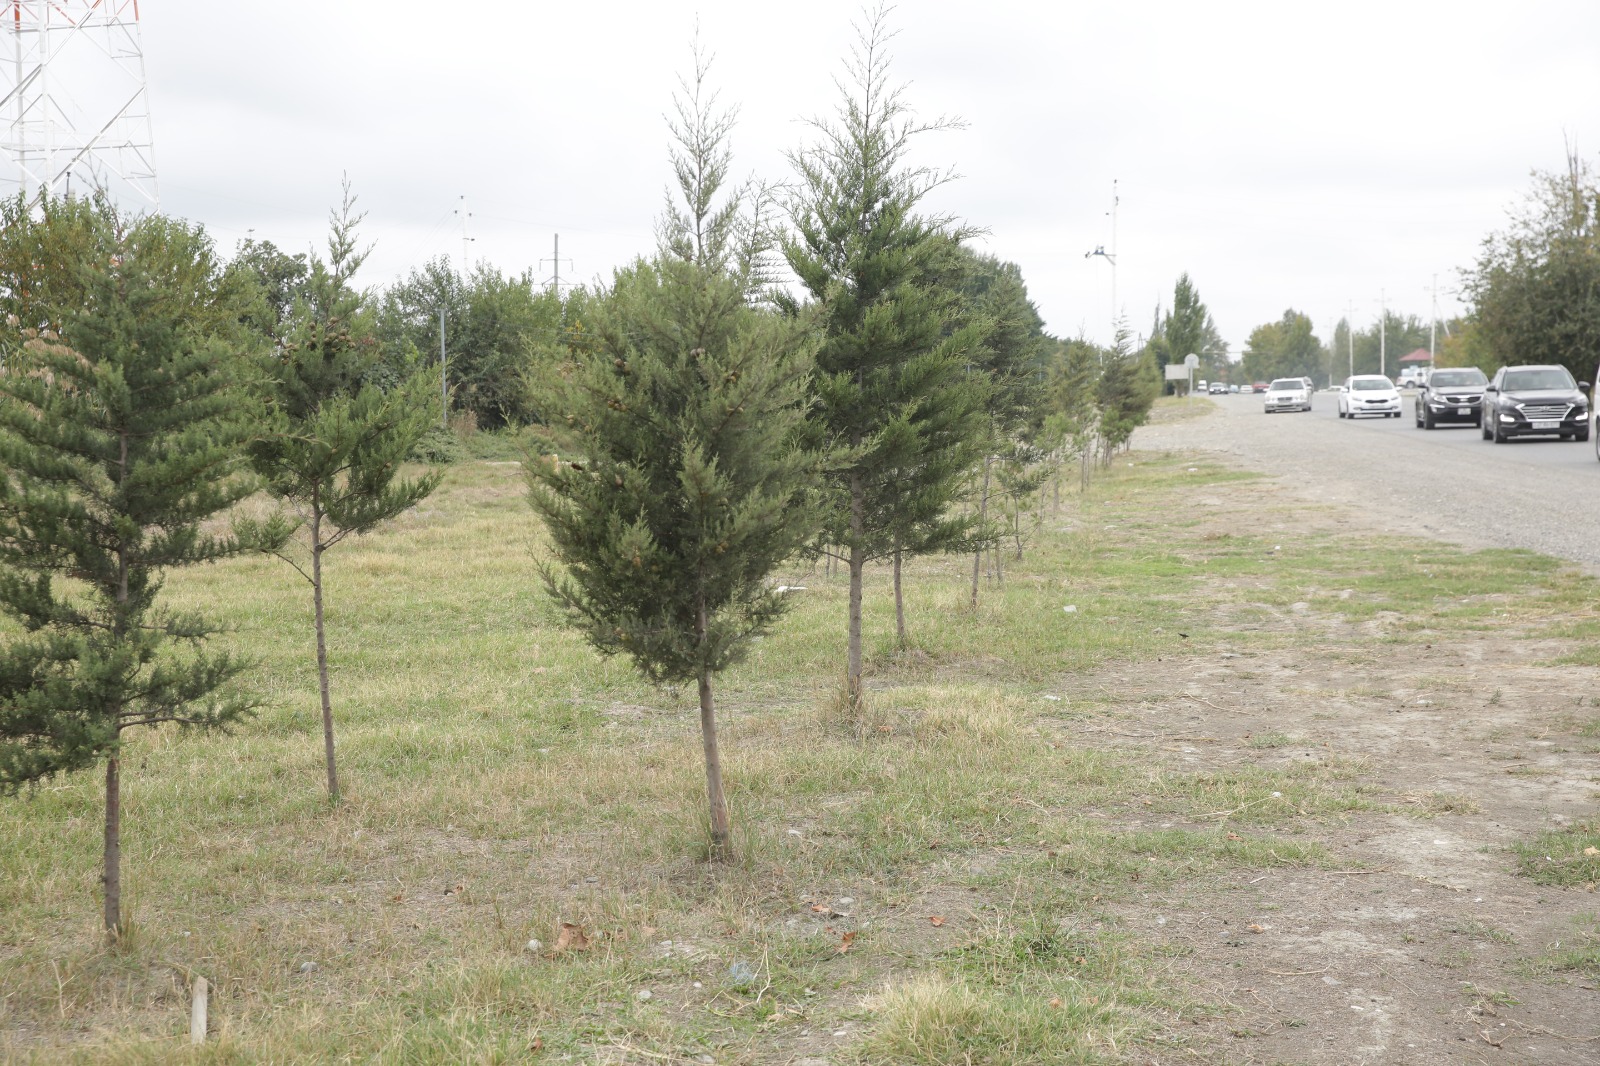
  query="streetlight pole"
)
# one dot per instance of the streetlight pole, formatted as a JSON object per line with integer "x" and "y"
{"x": 1433, "y": 321}
{"x": 1383, "y": 325}
{"x": 1110, "y": 257}
{"x": 1350, "y": 334}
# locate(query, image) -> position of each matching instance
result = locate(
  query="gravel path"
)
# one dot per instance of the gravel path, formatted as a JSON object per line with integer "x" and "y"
{"x": 1448, "y": 484}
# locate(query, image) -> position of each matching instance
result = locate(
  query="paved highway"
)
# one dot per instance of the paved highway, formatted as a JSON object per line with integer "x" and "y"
{"x": 1540, "y": 493}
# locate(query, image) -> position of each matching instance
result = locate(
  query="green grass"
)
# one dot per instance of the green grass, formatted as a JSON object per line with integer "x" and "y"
{"x": 1567, "y": 857}
{"x": 501, "y": 779}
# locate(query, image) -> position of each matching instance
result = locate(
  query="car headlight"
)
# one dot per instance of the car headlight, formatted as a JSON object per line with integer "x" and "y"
{"x": 1507, "y": 418}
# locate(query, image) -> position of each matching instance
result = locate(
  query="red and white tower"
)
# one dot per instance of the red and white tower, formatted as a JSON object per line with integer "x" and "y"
{"x": 75, "y": 114}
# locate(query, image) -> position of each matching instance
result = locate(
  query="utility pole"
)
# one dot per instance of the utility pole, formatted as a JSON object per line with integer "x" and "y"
{"x": 555, "y": 281}
{"x": 444, "y": 380}
{"x": 465, "y": 240}
{"x": 1350, "y": 334}
{"x": 1433, "y": 320}
{"x": 1383, "y": 325}
{"x": 1110, "y": 257}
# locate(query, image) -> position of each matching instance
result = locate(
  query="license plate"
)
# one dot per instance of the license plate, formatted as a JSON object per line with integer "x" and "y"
{"x": 1463, "y": 410}
{"x": 1548, "y": 424}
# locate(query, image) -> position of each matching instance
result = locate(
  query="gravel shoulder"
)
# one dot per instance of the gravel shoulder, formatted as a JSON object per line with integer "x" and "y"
{"x": 1425, "y": 946}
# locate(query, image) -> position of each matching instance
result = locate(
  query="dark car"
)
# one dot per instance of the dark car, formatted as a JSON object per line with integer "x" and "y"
{"x": 1450, "y": 394}
{"x": 1523, "y": 400}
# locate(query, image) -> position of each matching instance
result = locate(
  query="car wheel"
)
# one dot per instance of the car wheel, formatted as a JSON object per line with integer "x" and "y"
{"x": 1581, "y": 436}
{"x": 1427, "y": 419}
{"x": 1483, "y": 425}
{"x": 1497, "y": 434}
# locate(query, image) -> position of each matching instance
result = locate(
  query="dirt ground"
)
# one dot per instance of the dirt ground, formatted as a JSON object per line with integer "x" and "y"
{"x": 1418, "y": 952}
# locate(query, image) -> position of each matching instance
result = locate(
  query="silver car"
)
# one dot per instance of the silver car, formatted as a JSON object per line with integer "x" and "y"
{"x": 1287, "y": 394}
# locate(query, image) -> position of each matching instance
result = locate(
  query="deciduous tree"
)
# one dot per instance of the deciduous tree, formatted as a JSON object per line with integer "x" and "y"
{"x": 1536, "y": 286}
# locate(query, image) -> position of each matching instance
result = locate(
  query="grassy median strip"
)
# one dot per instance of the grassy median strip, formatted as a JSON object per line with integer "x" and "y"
{"x": 946, "y": 886}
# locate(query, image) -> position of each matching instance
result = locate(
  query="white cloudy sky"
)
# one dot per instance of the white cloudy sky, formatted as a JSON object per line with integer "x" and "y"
{"x": 1286, "y": 155}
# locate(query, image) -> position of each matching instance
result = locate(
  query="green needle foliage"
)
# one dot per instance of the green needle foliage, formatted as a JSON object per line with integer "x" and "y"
{"x": 342, "y": 439}
{"x": 119, "y": 442}
{"x": 677, "y": 485}
{"x": 897, "y": 398}
{"x": 677, "y": 489}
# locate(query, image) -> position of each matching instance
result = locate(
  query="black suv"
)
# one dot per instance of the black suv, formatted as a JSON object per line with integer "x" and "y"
{"x": 1450, "y": 394}
{"x": 1534, "y": 399}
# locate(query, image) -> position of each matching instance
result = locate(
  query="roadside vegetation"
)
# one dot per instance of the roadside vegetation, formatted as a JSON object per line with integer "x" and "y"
{"x": 519, "y": 855}
{"x": 810, "y": 474}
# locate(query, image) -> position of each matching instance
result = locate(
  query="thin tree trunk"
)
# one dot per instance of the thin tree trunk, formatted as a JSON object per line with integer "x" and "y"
{"x": 858, "y": 559}
{"x": 899, "y": 604}
{"x": 983, "y": 519}
{"x": 322, "y": 649}
{"x": 1083, "y": 469}
{"x": 721, "y": 831}
{"x": 112, "y": 872}
{"x": 111, "y": 856}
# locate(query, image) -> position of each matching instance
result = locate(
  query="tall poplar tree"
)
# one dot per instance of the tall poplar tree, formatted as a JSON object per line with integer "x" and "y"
{"x": 337, "y": 452}
{"x": 676, "y": 486}
{"x": 896, "y": 397}
{"x": 120, "y": 437}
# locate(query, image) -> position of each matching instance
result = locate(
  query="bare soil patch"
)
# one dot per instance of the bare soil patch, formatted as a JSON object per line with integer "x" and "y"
{"x": 1425, "y": 946}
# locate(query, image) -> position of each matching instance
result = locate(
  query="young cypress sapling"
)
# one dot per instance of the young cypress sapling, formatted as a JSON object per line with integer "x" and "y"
{"x": 675, "y": 488}
{"x": 342, "y": 439}
{"x": 120, "y": 441}
{"x": 896, "y": 398}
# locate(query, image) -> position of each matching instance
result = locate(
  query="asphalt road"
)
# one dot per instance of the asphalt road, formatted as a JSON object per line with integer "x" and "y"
{"x": 1539, "y": 493}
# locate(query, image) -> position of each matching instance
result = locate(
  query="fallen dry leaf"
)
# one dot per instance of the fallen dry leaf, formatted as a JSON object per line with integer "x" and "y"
{"x": 821, "y": 908}
{"x": 1591, "y": 850}
{"x": 936, "y": 919}
{"x": 1056, "y": 1002}
{"x": 845, "y": 942}
{"x": 572, "y": 938}
{"x": 1255, "y": 929}
{"x": 1234, "y": 836}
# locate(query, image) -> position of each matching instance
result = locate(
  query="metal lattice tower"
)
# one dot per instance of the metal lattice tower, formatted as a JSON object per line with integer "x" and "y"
{"x": 76, "y": 110}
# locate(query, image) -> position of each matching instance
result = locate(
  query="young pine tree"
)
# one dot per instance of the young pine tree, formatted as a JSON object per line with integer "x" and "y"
{"x": 897, "y": 399}
{"x": 336, "y": 454}
{"x": 676, "y": 487}
{"x": 119, "y": 444}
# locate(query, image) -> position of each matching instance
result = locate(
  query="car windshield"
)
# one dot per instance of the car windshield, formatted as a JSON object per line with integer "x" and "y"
{"x": 1291, "y": 384}
{"x": 1455, "y": 379}
{"x": 1370, "y": 384}
{"x": 1553, "y": 377}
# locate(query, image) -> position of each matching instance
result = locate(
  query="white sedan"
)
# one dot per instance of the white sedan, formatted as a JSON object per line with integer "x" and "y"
{"x": 1369, "y": 394}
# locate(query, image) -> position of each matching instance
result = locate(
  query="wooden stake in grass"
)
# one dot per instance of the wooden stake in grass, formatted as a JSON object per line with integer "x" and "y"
{"x": 120, "y": 440}
{"x": 676, "y": 485}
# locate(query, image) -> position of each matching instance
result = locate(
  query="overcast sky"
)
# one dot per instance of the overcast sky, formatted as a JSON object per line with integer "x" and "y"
{"x": 1285, "y": 155}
